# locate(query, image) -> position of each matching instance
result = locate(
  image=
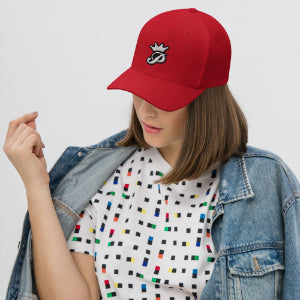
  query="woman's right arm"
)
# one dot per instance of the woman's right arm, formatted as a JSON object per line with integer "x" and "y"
{"x": 58, "y": 273}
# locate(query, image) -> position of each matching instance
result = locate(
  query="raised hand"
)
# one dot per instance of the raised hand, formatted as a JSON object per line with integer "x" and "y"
{"x": 23, "y": 146}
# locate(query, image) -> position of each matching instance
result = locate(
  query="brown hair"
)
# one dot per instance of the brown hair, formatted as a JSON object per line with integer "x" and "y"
{"x": 216, "y": 129}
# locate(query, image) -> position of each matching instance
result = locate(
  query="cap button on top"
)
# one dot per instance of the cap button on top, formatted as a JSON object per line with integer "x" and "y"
{"x": 192, "y": 10}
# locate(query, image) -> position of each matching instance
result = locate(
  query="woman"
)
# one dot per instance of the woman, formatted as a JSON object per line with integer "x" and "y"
{"x": 176, "y": 207}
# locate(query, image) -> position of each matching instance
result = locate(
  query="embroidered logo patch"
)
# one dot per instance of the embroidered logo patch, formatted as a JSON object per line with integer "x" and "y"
{"x": 158, "y": 55}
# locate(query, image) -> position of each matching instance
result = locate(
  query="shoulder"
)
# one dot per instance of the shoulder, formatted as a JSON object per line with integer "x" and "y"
{"x": 264, "y": 163}
{"x": 265, "y": 157}
{"x": 259, "y": 152}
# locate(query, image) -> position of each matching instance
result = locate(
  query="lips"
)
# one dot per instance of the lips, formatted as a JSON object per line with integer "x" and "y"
{"x": 151, "y": 129}
{"x": 150, "y": 126}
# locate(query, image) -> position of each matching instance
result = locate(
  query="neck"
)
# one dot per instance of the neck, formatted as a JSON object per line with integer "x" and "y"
{"x": 169, "y": 154}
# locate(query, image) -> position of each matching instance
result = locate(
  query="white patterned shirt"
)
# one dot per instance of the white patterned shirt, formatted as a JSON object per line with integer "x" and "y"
{"x": 150, "y": 241}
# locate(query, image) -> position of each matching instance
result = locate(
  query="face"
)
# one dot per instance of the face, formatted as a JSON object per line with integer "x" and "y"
{"x": 162, "y": 129}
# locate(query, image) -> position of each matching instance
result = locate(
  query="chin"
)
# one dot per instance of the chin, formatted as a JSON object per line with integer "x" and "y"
{"x": 154, "y": 142}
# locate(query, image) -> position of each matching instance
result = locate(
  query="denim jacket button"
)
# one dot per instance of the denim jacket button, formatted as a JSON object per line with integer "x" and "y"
{"x": 79, "y": 153}
{"x": 214, "y": 213}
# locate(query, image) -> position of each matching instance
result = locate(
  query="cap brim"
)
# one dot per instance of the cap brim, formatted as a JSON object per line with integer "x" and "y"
{"x": 163, "y": 94}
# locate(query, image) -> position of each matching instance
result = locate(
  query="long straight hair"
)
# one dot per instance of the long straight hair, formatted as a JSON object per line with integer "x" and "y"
{"x": 216, "y": 129}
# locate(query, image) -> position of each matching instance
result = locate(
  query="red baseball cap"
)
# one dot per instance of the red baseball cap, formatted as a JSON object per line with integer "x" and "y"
{"x": 179, "y": 53}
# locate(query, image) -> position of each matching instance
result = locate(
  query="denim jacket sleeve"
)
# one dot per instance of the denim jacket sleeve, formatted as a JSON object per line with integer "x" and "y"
{"x": 291, "y": 213}
{"x": 256, "y": 230}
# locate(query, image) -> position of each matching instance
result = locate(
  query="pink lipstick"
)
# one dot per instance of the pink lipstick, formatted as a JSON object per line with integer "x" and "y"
{"x": 151, "y": 129}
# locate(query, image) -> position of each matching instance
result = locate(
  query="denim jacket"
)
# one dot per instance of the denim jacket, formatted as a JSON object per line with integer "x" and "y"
{"x": 255, "y": 227}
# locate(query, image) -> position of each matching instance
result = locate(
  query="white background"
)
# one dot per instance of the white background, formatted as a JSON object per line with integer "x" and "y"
{"x": 58, "y": 57}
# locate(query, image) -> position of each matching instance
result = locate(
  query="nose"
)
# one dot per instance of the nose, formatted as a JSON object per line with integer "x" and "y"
{"x": 147, "y": 109}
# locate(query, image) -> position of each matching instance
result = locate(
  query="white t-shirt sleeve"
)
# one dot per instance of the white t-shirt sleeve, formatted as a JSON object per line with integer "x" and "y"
{"x": 82, "y": 239}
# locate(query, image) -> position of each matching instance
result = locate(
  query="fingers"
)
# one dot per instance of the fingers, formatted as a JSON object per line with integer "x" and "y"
{"x": 33, "y": 140}
{"x": 31, "y": 124}
{"x": 24, "y": 133}
{"x": 14, "y": 137}
{"x": 13, "y": 125}
{"x": 18, "y": 138}
{"x": 23, "y": 146}
{"x": 41, "y": 154}
{"x": 19, "y": 130}
{"x": 29, "y": 141}
{"x": 31, "y": 144}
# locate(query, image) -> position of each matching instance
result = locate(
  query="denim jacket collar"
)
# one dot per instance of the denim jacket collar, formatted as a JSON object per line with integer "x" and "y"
{"x": 234, "y": 181}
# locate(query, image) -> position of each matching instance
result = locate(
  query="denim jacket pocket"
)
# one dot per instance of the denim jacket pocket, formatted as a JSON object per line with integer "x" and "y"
{"x": 255, "y": 274}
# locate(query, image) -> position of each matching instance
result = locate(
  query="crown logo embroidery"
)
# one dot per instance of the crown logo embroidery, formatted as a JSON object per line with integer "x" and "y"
{"x": 158, "y": 55}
